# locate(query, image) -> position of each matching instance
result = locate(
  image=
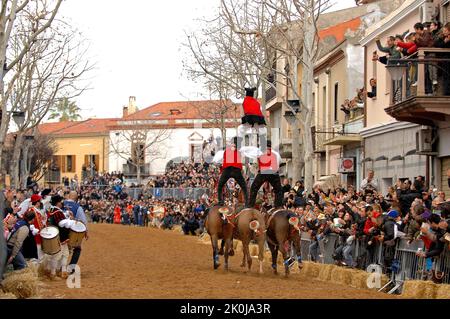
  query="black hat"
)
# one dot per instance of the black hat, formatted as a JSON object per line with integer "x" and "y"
{"x": 46, "y": 192}
{"x": 56, "y": 199}
{"x": 250, "y": 92}
{"x": 269, "y": 143}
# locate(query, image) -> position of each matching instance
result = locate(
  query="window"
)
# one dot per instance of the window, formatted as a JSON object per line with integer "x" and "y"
{"x": 92, "y": 162}
{"x": 324, "y": 106}
{"x": 374, "y": 65}
{"x": 336, "y": 97}
{"x": 68, "y": 164}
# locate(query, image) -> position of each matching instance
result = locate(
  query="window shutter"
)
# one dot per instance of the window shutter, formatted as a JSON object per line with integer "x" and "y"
{"x": 63, "y": 164}
{"x": 97, "y": 162}
{"x": 74, "y": 164}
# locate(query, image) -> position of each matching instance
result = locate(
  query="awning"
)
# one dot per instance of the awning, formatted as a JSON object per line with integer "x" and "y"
{"x": 368, "y": 159}
{"x": 342, "y": 140}
{"x": 411, "y": 152}
{"x": 397, "y": 158}
{"x": 381, "y": 158}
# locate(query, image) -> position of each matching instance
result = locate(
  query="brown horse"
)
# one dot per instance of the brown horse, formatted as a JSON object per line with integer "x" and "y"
{"x": 280, "y": 235}
{"x": 250, "y": 225}
{"x": 217, "y": 229}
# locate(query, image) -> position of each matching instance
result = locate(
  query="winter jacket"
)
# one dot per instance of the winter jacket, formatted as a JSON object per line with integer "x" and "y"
{"x": 437, "y": 246}
{"x": 425, "y": 40}
{"x": 411, "y": 47}
{"x": 393, "y": 53}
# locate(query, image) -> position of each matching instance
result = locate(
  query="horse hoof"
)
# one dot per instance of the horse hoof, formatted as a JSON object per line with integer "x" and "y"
{"x": 216, "y": 266}
{"x": 221, "y": 252}
{"x": 242, "y": 265}
{"x": 231, "y": 253}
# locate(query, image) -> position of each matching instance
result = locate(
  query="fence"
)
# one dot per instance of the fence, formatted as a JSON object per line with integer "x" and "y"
{"x": 405, "y": 264}
{"x": 169, "y": 193}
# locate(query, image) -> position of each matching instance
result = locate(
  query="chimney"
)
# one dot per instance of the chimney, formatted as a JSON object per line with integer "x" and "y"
{"x": 125, "y": 111}
{"x": 132, "y": 105}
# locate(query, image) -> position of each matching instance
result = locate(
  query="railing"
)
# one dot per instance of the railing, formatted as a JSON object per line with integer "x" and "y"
{"x": 404, "y": 264}
{"x": 131, "y": 170}
{"x": 53, "y": 177}
{"x": 417, "y": 74}
{"x": 169, "y": 193}
{"x": 271, "y": 93}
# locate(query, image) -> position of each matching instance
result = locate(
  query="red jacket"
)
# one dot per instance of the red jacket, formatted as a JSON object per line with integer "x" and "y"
{"x": 231, "y": 159}
{"x": 268, "y": 162}
{"x": 369, "y": 224}
{"x": 252, "y": 106}
{"x": 410, "y": 46}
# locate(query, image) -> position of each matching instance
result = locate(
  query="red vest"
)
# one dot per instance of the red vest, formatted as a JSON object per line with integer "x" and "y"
{"x": 268, "y": 162}
{"x": 252, "y": 106}
{"x": 231, "y": 159}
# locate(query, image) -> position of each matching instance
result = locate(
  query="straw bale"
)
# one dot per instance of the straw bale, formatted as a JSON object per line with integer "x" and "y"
{"x": 443, "y": 291}
{"x": 359, "y": 279}
{"x": 416, "y": 289}
{"x": 22, "y": 283}
{"x": 311, "y": 269}
{"x": 325, "y": 272}
{"x": 254, "y": 250}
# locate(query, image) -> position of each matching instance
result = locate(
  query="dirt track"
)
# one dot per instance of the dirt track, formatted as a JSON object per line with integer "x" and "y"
{"x": 128, "y": 262}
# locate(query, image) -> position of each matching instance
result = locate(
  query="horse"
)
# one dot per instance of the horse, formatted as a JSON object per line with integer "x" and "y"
{"x": 249, "y": 225}
{"x": 216, "y": 229}
{"x": 282, "y": 228}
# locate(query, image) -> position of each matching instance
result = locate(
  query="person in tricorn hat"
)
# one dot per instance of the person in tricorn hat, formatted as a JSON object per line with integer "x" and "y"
{"x": 252, "y": 109}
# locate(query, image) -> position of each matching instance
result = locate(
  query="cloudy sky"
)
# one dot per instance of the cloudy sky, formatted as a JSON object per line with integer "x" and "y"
{"x": 136, "y": 47}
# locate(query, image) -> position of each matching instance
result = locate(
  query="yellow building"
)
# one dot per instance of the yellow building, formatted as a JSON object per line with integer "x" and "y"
{"x": 82, "y": 149}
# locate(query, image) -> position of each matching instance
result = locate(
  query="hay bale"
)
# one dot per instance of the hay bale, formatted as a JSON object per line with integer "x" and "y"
{"x": 254, "y": 250}
{"x": 443, "y": 292}
{"x": 22, "y": 283}
{"x": 310, "y": 269}
{"x": 416, "y": 289}
{"x": 8, "y": 295}
{"x": 325, "y": 272}
{"x": 177, "y": 228}
{"x": 359, "y": 279}
{"x": 342, "y": 276}
{"x": 205, "y": 239}
{"x": 238, "y": 248}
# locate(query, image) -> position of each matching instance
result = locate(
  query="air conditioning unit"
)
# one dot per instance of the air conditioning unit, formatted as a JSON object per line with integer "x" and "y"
{"x": 424, "y": 139}
{"x": 427, "y": 12}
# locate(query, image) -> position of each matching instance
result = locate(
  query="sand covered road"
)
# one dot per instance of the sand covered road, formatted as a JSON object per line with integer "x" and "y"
{"x": 127, "y": 262}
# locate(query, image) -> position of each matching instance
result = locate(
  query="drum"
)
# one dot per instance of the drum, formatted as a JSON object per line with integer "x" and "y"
{"x": 76, "y": 234}
{"x": 50, "y": 240}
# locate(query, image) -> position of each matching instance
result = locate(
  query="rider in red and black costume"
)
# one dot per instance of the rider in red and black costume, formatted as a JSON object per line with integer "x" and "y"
{"x": 232, "y": 168}
{"x": 269, "y": 165}
{"x": 252, "y": 109}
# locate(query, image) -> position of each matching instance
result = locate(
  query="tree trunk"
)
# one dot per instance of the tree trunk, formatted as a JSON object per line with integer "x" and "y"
{"x": 307, "y": 96}
{"x": 25, "y": 169}
{"x": 138, "y": 174}
{"x": 296, "y": 152}
{"x": 14, "y": 169}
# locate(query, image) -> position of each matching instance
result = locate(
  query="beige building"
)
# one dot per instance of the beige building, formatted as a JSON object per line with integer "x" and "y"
{"x": 403, "y": 121}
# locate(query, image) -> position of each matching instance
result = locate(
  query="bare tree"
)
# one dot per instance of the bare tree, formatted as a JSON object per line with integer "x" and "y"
{"x": 267, "y": 40}
{"x": 21, "y": 23}
{"x": 137, "y": 146}
{"x": 56, "y": 64}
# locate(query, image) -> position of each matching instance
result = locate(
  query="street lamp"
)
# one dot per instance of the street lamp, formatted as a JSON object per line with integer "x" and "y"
{"x": 396, "y": 71}
{"x": 290, "y": 117}
{"x": 19, "y": 118}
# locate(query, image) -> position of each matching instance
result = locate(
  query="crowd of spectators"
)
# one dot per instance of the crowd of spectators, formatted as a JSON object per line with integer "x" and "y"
{"x": 425, "y": 35}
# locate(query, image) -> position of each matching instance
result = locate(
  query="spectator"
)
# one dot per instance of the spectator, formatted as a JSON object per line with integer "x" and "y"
{"x": 370, "y": 183}
{"x": 373, "y": 93}
{"x": 390, "y": 49}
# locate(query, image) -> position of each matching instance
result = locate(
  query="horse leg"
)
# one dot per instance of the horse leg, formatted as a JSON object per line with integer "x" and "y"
{"x": 274, "y": 252}
{"x": 285, "y": 257}
{"x": 221, "y": 247}
{"x": 231, "y": 253}
{"x": 249, "y": 257}
{"x": 298, "y": 251}
{"x": 244, "y": 257}
{"x": 214, "y": 242}
{"x": 228, "y": 243}
{"x": 261, "y": 248}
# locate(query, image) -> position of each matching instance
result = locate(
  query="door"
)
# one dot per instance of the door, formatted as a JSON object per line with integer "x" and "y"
{"x": 445, "y": 165}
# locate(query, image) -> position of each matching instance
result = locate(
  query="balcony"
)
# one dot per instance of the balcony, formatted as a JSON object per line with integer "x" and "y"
{"x": 53, "y": 177}
{"x": 130, "y": 170}
{"x": 271, "y": 93}
{"x": 347, "y": 133}
{"x": 414, "y": 98}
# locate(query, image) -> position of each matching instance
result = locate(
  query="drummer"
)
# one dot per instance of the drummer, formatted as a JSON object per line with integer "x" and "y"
{"x": 57, "y": 218}
{"x": 78, "y": 213}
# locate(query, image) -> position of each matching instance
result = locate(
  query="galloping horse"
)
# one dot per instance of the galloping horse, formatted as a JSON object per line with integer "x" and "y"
{"x": 250, "y": 225}
{"x": 282, "y": 229}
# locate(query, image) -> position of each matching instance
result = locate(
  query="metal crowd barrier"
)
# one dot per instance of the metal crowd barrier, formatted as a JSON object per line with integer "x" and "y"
{"x": 169, "y": 193}
{"x": 406, "y": 265}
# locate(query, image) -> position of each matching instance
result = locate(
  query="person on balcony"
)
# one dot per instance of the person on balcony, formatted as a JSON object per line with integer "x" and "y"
{"x": 424, "y": 39}
{"x": 390, "y": 49}
{"x": 443, "y": 41}
{"x": 373, "y": 93}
